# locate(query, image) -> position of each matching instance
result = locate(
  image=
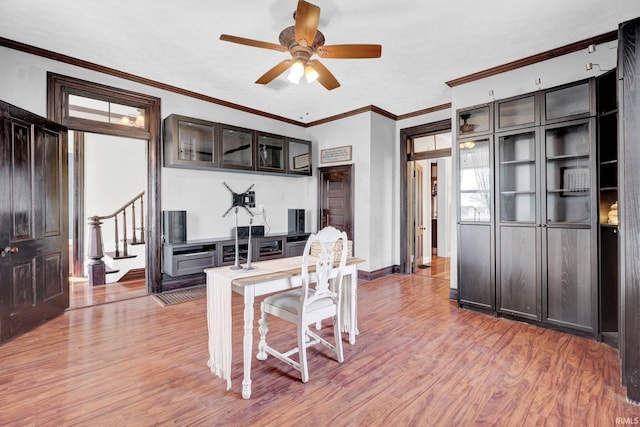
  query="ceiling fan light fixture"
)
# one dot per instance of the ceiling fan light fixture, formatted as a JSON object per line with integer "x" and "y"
{"x": 295, "y": 72}
{"x": 311, "y": 74}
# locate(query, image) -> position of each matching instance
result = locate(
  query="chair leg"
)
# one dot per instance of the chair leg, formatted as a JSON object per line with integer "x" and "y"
{"x": 337, "y": 334}
{"x": 262, "y": 344}
{"x": 302, "y": 352}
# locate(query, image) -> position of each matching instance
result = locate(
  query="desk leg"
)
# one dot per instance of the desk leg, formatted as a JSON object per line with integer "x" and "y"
{"x": 247, "y": 343}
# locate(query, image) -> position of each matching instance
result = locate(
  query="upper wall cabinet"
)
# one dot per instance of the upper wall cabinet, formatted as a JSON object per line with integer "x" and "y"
{"x": 572, "y": 101}
{"x": 270, "y": 153}
{"x": 518, "y": 112}
{"x": 199, "y": 144}
{"x": 236, "y": 147}
{"x": 476, "y": 120}
{"x": 298, "y": 157}
{"x": 190, "y": 143}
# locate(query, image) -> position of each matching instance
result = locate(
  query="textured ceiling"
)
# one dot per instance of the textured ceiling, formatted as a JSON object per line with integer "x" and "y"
{"x": 424, "y": 44}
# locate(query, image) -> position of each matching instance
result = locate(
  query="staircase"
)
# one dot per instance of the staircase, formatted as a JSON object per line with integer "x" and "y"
{"x": 128, "y": 254}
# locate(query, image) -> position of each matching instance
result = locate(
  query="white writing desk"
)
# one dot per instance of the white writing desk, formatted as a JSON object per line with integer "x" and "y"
{"x": 266, "y": 277}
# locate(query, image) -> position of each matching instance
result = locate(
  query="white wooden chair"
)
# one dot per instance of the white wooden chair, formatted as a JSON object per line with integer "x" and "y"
{"x": 311, "y": 303}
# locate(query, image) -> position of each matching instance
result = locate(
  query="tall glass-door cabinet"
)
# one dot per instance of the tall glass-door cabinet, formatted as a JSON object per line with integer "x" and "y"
{"x": 541, "y": 243}
{"x": 476, "y": 273}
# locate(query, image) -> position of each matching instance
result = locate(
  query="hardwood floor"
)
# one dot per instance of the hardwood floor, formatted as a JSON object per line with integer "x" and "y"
{"x": 418, "y": 361}
{"x": 81, "y": 294}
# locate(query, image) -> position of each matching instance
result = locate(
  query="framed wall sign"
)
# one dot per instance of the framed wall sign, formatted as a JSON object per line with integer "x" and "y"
{"x": 301, "y": 161}
{"x": 337, "y": 154}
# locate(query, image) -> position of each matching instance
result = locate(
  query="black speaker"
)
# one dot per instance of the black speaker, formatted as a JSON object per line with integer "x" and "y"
{"x": 296, "y": 221}
{"x": 174, "y": 226}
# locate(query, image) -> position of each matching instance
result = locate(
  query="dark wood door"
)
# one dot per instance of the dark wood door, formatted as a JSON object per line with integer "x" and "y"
{"x": 336, "y": 198}
{"x": 34, "y": 259}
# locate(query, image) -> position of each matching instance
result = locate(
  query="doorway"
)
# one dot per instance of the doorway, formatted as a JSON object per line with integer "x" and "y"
{"x": 110, "y": 171}
{"x": 425, "y": 197}
{"x": 87, "y": 107}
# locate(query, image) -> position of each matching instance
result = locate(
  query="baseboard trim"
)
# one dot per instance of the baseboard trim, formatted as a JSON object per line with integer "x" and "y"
{"x": 377, "y": 274}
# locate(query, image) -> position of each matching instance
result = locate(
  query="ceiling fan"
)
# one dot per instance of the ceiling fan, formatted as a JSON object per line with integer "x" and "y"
{"x": 303, "y": 41}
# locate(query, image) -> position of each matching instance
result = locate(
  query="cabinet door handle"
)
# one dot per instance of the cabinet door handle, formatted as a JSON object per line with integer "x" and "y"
{"x": 196, "y": 253}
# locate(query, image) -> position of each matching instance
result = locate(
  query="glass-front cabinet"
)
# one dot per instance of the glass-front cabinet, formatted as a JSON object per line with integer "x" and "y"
{"x": 236, "y": 147}
{"x": 517, "y": 112}
{"x": 475, "y": 180}
{"x": 568, "y": 102}
{"x": 270, "y": 153}
{"x": 518, "y": 234}
{"x": 190, "y": 142}
{"x": 298, "y": 157}
{"x": 517, "y": 177}
{"x": 568, "y": 173}
{"x": 528, "y": 208}
{"x": 475, "y": 225}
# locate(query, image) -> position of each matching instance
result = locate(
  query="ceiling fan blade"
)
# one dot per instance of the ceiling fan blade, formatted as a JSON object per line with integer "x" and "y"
{"x": 346, "y": 51}
{"x": 254, "y": 43}
{"x": 325, "y": 77}
{"x": 307, "y": 19}
{"x": 274, "y": 72}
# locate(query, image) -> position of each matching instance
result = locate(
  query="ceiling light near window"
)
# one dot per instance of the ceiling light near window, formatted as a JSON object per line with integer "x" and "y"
{"x": 295, "y": 72}
{"x": 467, "y": 145}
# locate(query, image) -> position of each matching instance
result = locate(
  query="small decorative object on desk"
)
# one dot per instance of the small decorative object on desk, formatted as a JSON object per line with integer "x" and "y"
{"x": 315, "y": 249}
{"x": 613, "y": 214}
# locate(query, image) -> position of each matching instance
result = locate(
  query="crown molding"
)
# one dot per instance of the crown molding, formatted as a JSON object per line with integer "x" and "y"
{"x": 55, "y": 56}
{"x": 534, "y": 59}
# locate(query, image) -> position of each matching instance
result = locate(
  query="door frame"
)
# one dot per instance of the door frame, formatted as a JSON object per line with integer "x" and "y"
{"x": 408, "y": 155}
{"x": 58, "y": 89}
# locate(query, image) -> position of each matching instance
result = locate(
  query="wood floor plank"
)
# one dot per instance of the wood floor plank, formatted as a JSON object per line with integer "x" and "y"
{"x": 419, "y": 361}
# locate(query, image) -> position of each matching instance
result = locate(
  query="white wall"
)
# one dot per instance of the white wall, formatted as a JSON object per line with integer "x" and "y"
{"x": 356, "y": 132}
{"x": 383, "y": 181}
{"x": 107, "y": 168}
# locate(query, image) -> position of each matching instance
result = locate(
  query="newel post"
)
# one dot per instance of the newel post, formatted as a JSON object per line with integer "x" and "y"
{"x": 96, "y": 267}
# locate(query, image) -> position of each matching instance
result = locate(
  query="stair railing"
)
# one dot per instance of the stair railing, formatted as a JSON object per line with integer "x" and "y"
{"x": 96, "y": 267}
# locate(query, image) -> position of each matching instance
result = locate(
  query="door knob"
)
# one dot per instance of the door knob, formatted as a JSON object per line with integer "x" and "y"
{"x": 9, "y": 250}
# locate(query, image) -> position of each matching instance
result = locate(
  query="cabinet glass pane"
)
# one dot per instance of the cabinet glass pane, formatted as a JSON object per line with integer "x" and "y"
{"x": 475, "y": 181}
{"x": 568, "y": 195}
{"x": 517, "y": 112}
{"x": 568, "y": 141}
{"x": 517, "y": 177}
{"x": 566, "y": 102}
{"x": 271, "y": 152}
{"x": 299, "y": 157}
{"x": 237, "y": 148}
{"x": 195, "y": 142}
{"x": 472, "y": 121}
